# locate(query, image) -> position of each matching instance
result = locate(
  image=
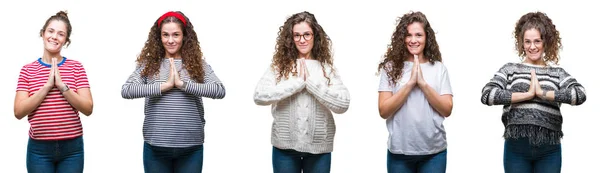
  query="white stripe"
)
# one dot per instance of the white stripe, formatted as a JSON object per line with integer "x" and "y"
{"x": 536, "y": 106}
{"x": 565, "y": 80}
{"x": 573, "y": 96}
{"x": 491, "y": 96}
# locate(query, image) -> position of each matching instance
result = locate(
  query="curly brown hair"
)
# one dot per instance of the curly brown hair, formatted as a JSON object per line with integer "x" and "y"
{"x": 59, "y": 16}
{"x": 550, "y": 36}
{"x": 153, "y": 52}
{"x": 284, "y": 58}
{"x": 397, "y": 51}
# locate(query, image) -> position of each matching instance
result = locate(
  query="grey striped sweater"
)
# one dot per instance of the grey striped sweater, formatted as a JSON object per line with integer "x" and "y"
{"x": 536, "y": 119}
{"x": 174, "y": 118}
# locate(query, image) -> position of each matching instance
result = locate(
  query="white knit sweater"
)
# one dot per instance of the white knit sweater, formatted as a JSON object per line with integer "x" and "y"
{"x": 302, "y": 109}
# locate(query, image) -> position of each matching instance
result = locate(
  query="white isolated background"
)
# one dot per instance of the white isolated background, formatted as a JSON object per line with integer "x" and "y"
{"x": 238, "y": 40}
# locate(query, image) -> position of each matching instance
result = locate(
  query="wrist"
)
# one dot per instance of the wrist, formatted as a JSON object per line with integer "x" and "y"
{"x": 64, "y": 88}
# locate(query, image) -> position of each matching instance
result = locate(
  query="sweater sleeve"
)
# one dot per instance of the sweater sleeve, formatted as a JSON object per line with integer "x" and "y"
{"x": 136, "y": 86}
{"x": 570, "y": 91}
{"x": 211, "y": 88}
{"x": 268, "y": 91}
{"x": 335, "y": 96}
{"x": 495, "y": 91}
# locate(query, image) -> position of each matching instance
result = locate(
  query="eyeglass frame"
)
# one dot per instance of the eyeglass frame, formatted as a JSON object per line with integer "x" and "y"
{"x": 303, "y": 36}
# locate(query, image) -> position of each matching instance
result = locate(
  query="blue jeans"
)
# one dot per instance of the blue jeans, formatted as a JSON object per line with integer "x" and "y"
{"x": 400, "y": 163}
{"x": 292, "y": 161}
{"x": 49, "y": 156}
{"x": 521, "y": 157}
{"x": 167, "y": 159}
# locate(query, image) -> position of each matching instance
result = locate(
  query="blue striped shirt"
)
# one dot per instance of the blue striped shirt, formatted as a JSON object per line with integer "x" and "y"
{"x": 174, "y": 118}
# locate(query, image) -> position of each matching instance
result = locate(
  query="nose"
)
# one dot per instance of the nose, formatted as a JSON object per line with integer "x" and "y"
{"x": 413, "y": 39}
{"x": 532, "y": 46}
{"x": 170, "y": 40}
{"x": 302, "y": 40}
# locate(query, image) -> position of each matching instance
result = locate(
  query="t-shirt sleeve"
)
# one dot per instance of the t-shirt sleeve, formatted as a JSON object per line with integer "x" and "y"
{"x": 23, "y": 81}
{"x": 384, "y": 84}
{"x": 446, "y": 88}
{"x": 81, "y": 79}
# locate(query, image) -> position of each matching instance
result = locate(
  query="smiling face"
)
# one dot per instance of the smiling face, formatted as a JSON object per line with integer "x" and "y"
{"x": 172, "y": 38}
{"x": 533, "y": 46}
{"x": 54, "y": 36}
{"x": 415, "y": 40}
{"x": 303, "y": 39}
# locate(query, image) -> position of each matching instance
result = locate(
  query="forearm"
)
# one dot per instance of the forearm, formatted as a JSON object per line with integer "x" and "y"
{"x": 25, "y": 106}
{"x": 210, "y": 90}
{"x": 389, "y": 106}
{"x": 79, "y": 102}
{"x": 267, "y": 92}
{"x": 335, "y": 97}
{"x": 549, "y": 95}
{"x": 517, "y": 97}
{"x": 133, "y": 90}
{"x": 439, "y": 103}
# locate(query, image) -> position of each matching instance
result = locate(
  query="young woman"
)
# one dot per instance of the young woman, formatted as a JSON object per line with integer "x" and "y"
{"x": 303, "y": 89}
{"x": 531, "y": 93}
{"x": 173, "y": 77}
{"x": 52, "y": 91}
{"x": 415, "y": 97}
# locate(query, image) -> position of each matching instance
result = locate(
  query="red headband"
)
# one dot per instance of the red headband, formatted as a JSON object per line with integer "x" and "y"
{"x": 173, "y": 14}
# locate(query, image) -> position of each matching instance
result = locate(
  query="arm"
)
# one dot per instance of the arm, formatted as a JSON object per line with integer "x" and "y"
{"x": 440, "y": 103}
{"x": 82, "y": 99}
{"x": 570, "y": 91}
{"x": 390, "y": 103}
{"x": 268, "y": 91}
{"x": 212, "y": 88}
{"x": 25, "y": 104}
{"x": 495, "y": 92}
{"x": 335, "y": 97}
{"x": 136, "y": 86}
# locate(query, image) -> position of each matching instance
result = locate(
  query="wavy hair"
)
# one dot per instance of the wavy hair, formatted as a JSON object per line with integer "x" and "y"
{"x": 286, "y": 53}
{"x": 397, "y": 51}
{"x": 153, "y": 52}
{"x": 550, "y": 36}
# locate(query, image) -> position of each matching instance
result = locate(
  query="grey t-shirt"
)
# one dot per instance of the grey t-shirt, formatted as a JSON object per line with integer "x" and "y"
{"x": 416, "y": 128}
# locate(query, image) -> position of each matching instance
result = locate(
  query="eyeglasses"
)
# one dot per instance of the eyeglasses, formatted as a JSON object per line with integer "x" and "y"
{"x": 307, "y": 36}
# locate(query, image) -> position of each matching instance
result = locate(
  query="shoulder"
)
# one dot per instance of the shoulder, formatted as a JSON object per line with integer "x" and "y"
{"x": 72, "y": 62}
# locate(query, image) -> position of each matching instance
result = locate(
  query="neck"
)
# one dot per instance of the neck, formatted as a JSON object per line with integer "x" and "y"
{"x": 174, "y": 56}
{"x": 422, "y": 58}
{"x": 539, "y": 62}
{"x": 47, "y": 57}
{"x": 304, "y": 56}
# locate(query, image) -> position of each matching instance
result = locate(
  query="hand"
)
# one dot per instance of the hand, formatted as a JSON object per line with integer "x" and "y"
{"x": 420, "y": 80}
{"x": 303, "y": 71}
{"x": 533, "y": 87}
{"x": 170, "y": 83}
{"x": 539, "y": 92}
{"x": 50, "y": 83}
{"x": 175, "y": 74}
{"x": 414, "y": 73}
{"x": 57, "y": 79}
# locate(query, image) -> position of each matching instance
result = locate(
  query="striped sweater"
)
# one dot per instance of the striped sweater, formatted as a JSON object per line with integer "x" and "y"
{"x": 536, "y": 119}
{"x": 54, "y": 118}
{"x": 302, "y": 109}
{"x": 174, "y": 118}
